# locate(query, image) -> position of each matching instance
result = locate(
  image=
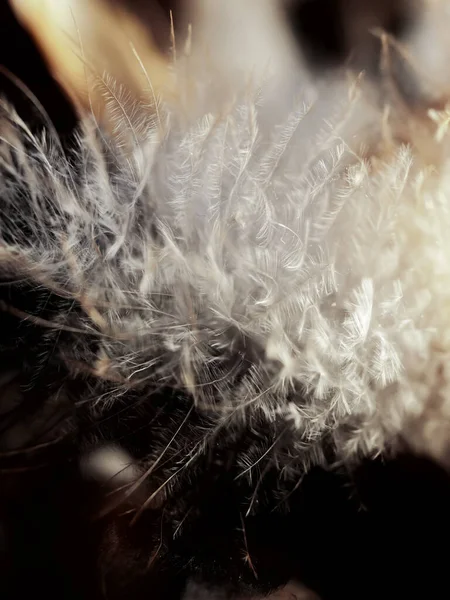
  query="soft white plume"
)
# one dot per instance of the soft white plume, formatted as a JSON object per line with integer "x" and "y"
{"x": 296, "y": 271}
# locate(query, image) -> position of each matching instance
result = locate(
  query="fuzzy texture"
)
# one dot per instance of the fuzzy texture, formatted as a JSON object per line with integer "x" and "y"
{"x": 245, "y": 285}
{"x": 273, "y": 277}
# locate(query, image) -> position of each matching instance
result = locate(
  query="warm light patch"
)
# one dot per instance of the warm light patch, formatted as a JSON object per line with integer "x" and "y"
{"x": 84, "y": 39}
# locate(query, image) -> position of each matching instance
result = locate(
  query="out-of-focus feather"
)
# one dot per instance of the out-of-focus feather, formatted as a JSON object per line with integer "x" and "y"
{"x": 82, "y": 39}
{"x": 281, "y": 262}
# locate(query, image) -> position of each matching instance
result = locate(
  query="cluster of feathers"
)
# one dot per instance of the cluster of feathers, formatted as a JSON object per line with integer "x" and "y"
{"x": 252, "y": 288}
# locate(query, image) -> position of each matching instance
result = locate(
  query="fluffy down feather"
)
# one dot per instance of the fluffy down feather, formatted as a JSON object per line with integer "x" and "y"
{"x": 289, "y": 282}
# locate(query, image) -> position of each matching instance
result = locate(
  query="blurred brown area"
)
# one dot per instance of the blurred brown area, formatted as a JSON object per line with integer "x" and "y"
{"x": 20, "y": 57}
{"x": 339, "y": 31}
{"x": 86, "y": 41}
{"x": 155, "y": 14}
